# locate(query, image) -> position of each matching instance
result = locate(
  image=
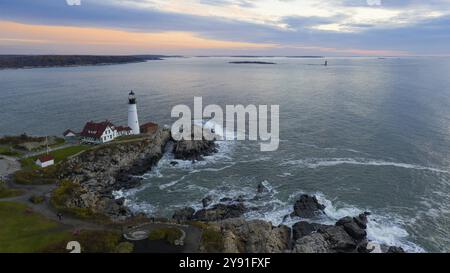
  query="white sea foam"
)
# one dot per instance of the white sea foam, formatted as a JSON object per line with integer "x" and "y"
{"x": 330, "y": 162}
{"x": 284, "y": 175}
{"x": 332, "y": 148}
{"x": 386, "y": 229}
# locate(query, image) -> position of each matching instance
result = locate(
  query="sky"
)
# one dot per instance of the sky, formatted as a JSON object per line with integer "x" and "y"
{"x": 226, "y": 27}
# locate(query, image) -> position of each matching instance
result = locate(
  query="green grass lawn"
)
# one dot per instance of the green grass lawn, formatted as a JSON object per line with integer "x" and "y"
{"x": 23, "y": 232}
{"x": 168, "y": 234}
{"x": 5, "y": 150}
{"x": 6, "y": 192}
{"x": 31, "y": 174}
{"x": 59, "y": 155}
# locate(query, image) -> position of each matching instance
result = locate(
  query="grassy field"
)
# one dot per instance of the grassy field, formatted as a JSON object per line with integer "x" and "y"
{"x": 5, "y": 150}
{"x": 168, "y": 234}
{"x": 5, "y": 192}
{"x": 59, "y": 155}
{"x": 31, "y": 174}
{"x": 22, "y": 231}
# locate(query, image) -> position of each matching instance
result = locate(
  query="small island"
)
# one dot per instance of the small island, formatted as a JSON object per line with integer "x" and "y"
{"x": 250, "y": 62}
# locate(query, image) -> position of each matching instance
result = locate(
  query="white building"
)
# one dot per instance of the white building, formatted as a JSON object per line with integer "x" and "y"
{"x": 102, "y": 132}
{"x": 45, "y": 161}
{"x": 133, "y": 121}
{"x": 69, "y": 134}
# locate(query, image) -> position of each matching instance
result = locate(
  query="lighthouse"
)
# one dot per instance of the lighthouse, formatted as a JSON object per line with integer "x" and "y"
{"x": 133, "y": 121}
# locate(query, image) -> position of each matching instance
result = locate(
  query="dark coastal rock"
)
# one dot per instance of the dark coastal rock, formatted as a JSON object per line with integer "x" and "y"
{"x": 220, "y": 212}
{"x": 194, "y": 150}
{"x": 354, "y": 226}
{"x": 329, "y": 240}
{"x": 339, "y": 239}
{"x": 262, "y": 189}
{"x": 185, "y": 214}
{"x": 303, "y": 228}
{"x": 362, "y": 220}
{"x": 395, "y": 249}
{"x": 206, "y": 201}
{"x": 314, "y": 243}
{"x": 255, "y": 236}
{"x": 347, "y": 235}
{"x": 229, "y": 200}
{"x": 307, "y": 207}
{"x": 120, "y": 201}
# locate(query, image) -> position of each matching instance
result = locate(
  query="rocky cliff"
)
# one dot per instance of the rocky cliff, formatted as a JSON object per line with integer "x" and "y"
{"x": 193, "y": 149}
{"x": 103, "y": 169}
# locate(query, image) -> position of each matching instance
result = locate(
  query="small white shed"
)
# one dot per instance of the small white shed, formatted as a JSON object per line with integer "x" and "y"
{"x": 45, "y": 161}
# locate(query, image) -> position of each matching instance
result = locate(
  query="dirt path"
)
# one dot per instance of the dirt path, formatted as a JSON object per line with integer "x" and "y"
{"x": 191, "y": 240}
{"x": 45, "y": 208}
{"x": 8, "y": 166}
{"x": 42, "y": 151}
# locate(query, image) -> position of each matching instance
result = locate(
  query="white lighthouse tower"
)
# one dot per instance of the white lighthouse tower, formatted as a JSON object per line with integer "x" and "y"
{"x": 133, "y": 121}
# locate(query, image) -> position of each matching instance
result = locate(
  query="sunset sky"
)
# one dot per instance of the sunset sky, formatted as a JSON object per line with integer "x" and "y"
{"x": 226, "y": 27}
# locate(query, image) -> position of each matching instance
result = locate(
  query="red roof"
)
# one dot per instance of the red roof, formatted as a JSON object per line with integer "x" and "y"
{"x": 95, "y": 130}
{"x": 123, "y": 128}
{"x": 149, "y": 125}
{"x": 46, "y": 158}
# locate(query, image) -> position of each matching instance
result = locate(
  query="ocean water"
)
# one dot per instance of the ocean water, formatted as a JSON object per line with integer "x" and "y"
{"x": 364, "y": 134}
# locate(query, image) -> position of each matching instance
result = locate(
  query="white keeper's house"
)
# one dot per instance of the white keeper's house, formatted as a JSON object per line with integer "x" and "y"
{"x": 102, "y": 132}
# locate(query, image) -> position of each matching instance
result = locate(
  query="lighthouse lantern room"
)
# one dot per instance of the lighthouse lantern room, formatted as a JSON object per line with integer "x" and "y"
{"x": 133, "y": 121}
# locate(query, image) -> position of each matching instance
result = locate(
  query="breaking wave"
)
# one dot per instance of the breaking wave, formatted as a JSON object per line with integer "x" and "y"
{"x": 330, "y": 162}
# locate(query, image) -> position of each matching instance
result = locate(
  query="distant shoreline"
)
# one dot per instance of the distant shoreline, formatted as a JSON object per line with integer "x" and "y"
{"x": 47, "y": 61}
{"x": 250, "y": 62}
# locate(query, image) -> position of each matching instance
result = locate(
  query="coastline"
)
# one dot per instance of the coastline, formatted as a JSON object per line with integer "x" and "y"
{"x": 50, "y": 61}
{"x": 87, "y": 182}
{"x": 88, "y": 179}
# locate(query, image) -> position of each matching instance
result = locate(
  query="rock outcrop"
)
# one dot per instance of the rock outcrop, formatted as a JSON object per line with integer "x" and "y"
{"x": 307, "y": 207}
{"x": 329, "y": 240}
{"x": 220, "y": 212}
{"x": 303, "y": 228}
{"x": 183, "y": 215}
{"x": 348, "y": 235}
{"x": 194, "y": 150}
{"x": 355, "y": 226}
{"x": 256, "y": 236}
{"x": 100, "y": 171}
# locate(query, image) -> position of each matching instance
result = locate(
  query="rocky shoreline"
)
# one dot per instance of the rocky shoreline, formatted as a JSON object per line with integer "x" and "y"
{"x": 348, "y": 235}
{"x": 99, "y": 172}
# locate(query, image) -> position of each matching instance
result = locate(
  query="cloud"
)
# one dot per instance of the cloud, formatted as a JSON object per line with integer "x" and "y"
{"x": 293, "y": 25}
{"x": 76, "y": 39}
{"x": 374, "y": 2}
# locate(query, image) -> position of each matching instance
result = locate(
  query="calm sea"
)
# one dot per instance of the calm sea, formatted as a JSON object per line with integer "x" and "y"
{"x": 362, "y": 134}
